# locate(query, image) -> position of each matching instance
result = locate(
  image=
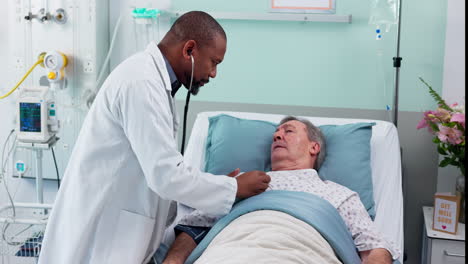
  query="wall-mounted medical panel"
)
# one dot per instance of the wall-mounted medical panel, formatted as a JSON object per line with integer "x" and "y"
{"x": 77, "y": 29}
{"x": 276, "y": 17}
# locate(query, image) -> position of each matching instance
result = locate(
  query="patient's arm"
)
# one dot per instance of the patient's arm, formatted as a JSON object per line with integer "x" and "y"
{"x": 180, "y": 249}
{"x": 364, "y": 232}
{"x": 376, "y": 256}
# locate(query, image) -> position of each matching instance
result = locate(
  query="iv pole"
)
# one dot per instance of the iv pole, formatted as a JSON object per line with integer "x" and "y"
{"x": 396, "y": 65}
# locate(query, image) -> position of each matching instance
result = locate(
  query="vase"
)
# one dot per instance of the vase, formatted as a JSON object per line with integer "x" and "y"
{"x": 460, "y": 191}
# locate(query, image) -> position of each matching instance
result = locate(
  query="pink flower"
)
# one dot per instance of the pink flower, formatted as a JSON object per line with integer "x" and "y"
{"x": 459, "y": 118}
{"x": 422, "y": 124}
{"x": 429, "y": 117}
{"x": 442, "y": 114}
{"x": 450, "y": 135}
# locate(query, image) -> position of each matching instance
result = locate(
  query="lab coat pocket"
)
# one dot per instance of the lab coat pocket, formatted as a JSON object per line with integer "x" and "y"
{"x": 133, "y": 234}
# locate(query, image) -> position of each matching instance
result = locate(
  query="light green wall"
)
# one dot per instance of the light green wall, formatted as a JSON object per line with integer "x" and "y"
{"x": 326, "y": 64}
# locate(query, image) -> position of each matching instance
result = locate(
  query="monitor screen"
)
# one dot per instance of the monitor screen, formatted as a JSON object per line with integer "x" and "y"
{"x": 30, "y": 117}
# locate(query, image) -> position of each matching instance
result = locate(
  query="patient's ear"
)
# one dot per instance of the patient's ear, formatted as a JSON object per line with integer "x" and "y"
{"x": 314, "y": 148}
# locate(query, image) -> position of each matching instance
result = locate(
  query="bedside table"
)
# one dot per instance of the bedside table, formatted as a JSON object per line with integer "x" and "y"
{"x": 439, "y": 247}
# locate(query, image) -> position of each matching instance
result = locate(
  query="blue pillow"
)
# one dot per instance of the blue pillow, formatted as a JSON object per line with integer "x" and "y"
{"x": 241, "y": 143}
{"x": 347, "y": 161}
{"x": 238, "y": 143}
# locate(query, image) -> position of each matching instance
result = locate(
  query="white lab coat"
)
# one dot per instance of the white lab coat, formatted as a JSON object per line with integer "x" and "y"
{"x": 124, "y": 171}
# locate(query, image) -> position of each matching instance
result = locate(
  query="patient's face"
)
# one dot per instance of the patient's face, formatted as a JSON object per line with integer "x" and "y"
{"x": 291, "y": 147}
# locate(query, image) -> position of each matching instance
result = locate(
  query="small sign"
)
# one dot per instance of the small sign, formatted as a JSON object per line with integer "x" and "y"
{"x": 446, "y": 210}
{"x": 303, "y": 6}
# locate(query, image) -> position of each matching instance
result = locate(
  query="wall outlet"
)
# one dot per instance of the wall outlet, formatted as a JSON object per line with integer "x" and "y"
{"x": 88, "y": 66}
{"x": 19, "y": 63}
{"x": 40, "y": 213}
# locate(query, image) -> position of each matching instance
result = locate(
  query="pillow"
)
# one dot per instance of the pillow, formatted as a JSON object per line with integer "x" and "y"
{"x": 238, "y": 143}
{"x": 347, "y": 161}
{"x": 242, "y": 143}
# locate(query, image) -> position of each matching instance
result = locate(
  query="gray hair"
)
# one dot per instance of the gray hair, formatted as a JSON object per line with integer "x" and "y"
{"x": 314, "y": 134}
{"x": 197, "y": 25}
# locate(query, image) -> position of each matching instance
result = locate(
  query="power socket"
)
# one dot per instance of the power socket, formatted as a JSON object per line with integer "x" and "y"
{"x": 19, "y": 63}
{"x": 88, "y": 67}
{"x": 40, "y": 213}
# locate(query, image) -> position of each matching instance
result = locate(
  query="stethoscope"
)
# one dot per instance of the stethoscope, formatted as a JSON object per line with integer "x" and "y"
{"x": 187, "y": 100}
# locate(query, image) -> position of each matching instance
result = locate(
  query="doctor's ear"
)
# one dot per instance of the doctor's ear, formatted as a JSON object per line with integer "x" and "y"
{"x": 189, "y": 49}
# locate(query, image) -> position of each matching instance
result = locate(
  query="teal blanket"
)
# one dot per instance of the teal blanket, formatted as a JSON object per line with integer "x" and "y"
{"x": 307, "y": 207}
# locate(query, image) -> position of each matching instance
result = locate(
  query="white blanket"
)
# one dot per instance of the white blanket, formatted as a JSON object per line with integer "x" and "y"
{"x": 268, "y": 237}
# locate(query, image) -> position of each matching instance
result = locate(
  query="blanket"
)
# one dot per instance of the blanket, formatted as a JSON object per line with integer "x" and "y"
{"x": 266, "y": 236}
{"x": 309, "y": 208}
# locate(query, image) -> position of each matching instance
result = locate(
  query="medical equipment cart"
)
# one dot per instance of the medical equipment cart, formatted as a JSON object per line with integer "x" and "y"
{"x": 22, "y": 225}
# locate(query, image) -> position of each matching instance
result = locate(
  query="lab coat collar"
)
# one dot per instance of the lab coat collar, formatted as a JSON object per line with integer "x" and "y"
{"x": 175, "y": 84}
{"x": 160, "y": 65}
{"x": 158, "y": 58}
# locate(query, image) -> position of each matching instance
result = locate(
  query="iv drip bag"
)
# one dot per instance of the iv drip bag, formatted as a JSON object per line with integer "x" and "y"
{"x": 146, "y": 28}
{"x": 384, "y": 12}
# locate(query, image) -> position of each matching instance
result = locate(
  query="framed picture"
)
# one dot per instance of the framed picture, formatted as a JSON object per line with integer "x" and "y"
{"x": 446, "y": 210}
{"x": 303, "y": 6}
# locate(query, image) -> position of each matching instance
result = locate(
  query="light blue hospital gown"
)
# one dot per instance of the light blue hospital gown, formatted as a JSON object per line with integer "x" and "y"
{"x": 347, "y": 203}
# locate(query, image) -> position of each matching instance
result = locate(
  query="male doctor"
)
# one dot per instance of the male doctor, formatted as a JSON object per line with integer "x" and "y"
{"x": 125, "y": 169}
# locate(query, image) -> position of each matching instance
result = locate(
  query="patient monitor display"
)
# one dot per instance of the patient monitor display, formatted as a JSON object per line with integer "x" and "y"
{"x": 36, "y": 117}
{"x": 30, "y": 117}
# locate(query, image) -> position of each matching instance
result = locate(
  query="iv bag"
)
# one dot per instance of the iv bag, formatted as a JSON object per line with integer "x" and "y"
{"x": 145, "y": 26}
{"x": 384, "y": 12}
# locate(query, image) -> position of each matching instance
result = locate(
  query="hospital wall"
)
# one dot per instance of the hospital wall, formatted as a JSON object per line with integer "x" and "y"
{"x": 320, "y": 69}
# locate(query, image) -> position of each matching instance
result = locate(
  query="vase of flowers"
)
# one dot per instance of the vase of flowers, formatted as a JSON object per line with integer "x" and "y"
{"x": 447, "y": 124}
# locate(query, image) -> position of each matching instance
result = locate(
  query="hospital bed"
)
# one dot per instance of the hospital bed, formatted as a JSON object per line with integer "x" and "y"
{"x": 384, "y": 160}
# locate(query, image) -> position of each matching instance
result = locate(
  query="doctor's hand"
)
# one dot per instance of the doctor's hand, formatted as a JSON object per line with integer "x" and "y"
{"x": 251, "y": 183}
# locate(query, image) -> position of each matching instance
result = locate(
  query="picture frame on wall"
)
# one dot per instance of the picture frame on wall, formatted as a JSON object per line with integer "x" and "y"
{"x": 303, "y": 6}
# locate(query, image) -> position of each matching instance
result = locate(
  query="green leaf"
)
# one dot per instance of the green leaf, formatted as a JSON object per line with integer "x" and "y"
{"x": 441, "y": 150}
{"x": 451, "y": 124}
{"x": 436, "y": 97}
{"x": 433, "y": 126}
{"x": 454, "y": 162}
{"x": 444, "y": 162}
{"x": 436, "y": 140}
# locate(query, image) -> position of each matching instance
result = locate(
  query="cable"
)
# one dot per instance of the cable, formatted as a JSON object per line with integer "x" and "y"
{"x": 56, "y": 168}
{"x": 3, "y": 170}
{"x": 2, "y": 173}
{"x": 93, "y": 92}
{"x": 187, "y": 101}
{"x": 39, "y": 61}
{"x": 111, "y": 47}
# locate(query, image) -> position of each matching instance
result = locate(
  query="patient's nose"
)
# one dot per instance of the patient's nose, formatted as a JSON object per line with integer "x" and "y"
{"x": 277, "y": 136}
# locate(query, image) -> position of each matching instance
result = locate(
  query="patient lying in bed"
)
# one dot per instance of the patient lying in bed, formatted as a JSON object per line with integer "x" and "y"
{"x": 270, "y": 236}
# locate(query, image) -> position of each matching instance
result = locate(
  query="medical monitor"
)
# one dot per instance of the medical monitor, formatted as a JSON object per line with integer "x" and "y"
{"x": 30, "y": 117}
{"x": 33, "y": 116}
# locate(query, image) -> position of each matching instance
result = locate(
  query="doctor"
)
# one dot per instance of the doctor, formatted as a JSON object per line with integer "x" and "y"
{"x": 125, "y": 169}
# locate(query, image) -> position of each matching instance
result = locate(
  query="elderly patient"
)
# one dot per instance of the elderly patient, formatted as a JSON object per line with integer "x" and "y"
{"x": 297, "y": 151}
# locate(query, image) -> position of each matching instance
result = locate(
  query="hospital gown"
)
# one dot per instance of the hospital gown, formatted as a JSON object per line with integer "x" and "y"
{"x": 347, "y": 203}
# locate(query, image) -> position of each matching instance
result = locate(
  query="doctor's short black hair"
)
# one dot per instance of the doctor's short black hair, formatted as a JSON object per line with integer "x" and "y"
{"x": 197, "y": 25}
{"x": 314, "y": 134}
